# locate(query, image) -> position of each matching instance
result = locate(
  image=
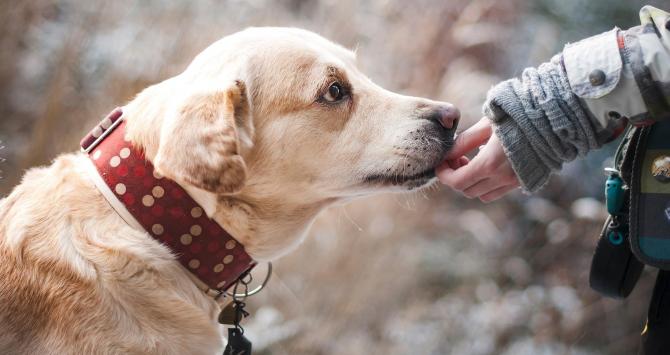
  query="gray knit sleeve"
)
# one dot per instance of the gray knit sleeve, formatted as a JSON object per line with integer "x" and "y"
{"x": 583, "y": 97}
{"x": 541, "y": 123}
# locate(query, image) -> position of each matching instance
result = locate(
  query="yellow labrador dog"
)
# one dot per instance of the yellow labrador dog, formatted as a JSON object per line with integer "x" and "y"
{"x": 264, "y": 129}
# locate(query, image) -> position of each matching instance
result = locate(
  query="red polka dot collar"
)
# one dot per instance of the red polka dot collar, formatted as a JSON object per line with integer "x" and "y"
{"x": 162, "y": 208}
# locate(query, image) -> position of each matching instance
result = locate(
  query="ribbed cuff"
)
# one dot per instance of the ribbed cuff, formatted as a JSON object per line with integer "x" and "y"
{"x": 527, "y": 165}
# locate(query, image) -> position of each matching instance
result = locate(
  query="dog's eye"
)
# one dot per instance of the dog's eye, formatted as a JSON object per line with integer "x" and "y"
{"x": 335, "y": 93}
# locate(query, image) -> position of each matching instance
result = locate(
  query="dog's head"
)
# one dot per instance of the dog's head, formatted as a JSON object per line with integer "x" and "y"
{"x": 286, "y": 112}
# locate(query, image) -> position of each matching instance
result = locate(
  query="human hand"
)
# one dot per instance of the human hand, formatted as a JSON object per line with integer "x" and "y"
{"x": 489, "y": 175}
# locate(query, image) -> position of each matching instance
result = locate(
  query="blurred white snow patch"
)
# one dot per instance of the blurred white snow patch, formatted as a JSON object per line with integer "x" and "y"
{"x": 558, "y": 231}
{"x": 481, "y": 227}
{"x": 407, "y": 336}
{"x": 518, "y": 270}
{"x": 487, "y": 290}
{"x": 541, "y": 210}
{"x": 529, "y": 346}
{"x": 565, "y": 299}
{"x": 589, "y": 208}
{"x": 267, "y": 327}
{"x": 534, "y": 294}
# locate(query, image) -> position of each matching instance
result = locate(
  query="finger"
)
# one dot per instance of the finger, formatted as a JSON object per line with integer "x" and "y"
{"x": 483, "y": 187}
{"x": 452, "y": 164}
{"x": 461, "y": 178}
{"x": 456, "y": 163}
{"x": 463, "y": 161}
{"x": 498, "y": 193}
{"x": 470, "y": 139}
{"x": 476, "y": 170}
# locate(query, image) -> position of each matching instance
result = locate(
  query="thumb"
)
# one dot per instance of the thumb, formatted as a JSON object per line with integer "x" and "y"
{"x": 471, "y": 138}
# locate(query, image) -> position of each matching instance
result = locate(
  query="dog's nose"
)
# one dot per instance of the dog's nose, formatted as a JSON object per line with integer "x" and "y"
{"x": 448, "y": 116}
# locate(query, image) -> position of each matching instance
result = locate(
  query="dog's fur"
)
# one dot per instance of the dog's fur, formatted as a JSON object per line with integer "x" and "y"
{"x": 247, "y": 131}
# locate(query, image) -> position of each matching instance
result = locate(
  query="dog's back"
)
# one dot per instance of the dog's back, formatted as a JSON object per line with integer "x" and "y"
{"x": 40, "y": 294}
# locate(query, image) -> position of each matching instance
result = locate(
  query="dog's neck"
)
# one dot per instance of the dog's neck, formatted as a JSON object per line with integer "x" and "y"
{"x": 269, "y": 224}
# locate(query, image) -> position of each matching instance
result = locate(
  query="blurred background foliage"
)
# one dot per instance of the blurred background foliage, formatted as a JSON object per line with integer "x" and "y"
{"x": 427, "y": 273}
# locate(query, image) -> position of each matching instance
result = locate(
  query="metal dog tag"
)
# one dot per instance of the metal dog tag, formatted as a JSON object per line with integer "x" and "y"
{"x": 229, "y": 315}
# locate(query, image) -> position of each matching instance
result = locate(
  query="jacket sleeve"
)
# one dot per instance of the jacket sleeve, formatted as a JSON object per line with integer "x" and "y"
{"x": 583, "y": 97}
{"x": 634, "y": 66}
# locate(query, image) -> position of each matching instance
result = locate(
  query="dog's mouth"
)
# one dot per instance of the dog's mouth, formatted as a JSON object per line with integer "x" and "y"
{"x": 410, "y": 181}
{"x": 415, "y": 160}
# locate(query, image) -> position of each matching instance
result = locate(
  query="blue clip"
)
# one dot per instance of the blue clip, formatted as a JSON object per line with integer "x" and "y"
{"x": 615, "y": 237}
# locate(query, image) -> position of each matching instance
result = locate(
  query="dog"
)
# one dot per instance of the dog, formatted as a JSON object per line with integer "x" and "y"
{"x": 264, "y": 129}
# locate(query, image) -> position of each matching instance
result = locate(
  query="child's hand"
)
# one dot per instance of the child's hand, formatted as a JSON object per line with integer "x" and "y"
{"x": 489, "y": 175}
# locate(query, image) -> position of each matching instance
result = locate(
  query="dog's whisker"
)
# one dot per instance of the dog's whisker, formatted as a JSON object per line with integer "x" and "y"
{"x": 346, "y": 214}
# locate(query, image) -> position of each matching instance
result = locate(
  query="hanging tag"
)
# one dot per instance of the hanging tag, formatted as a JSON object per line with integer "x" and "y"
{"x": 238, "y": 344}
{"x": 228, "y": 315}
{"x": 233, "y": 313}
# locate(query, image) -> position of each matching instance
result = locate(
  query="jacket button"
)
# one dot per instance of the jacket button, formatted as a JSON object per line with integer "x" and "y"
{"x": 597, "y": 77}
{"x": 614, "y": 115}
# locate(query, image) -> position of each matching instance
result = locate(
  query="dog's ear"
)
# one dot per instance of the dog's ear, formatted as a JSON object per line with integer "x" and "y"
{"x": 200, "y": 142}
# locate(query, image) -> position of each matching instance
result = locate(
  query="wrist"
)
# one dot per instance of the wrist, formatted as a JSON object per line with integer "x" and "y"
{"x": 529, "y": 169}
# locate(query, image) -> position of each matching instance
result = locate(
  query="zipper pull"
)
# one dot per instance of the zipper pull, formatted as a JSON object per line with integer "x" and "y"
{"x": 614, "y": 191}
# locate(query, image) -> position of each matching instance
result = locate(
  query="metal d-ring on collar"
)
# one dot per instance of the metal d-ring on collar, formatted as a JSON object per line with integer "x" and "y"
{"x": 254, "y": 291}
